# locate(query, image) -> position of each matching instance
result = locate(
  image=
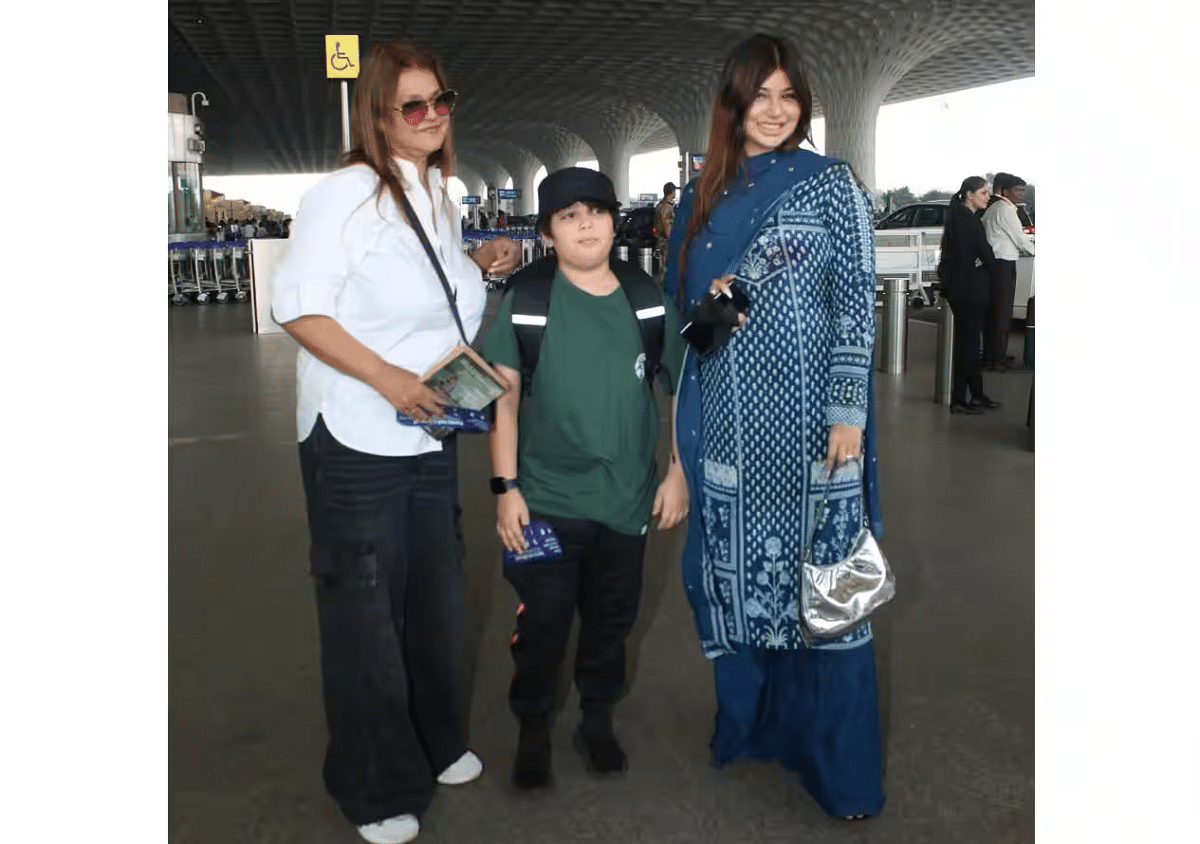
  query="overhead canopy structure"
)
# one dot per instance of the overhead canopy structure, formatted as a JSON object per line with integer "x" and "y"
{"x": 552, "y": 82}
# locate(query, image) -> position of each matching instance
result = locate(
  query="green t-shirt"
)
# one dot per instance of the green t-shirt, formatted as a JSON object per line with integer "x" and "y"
{"x": 589, "y": 427}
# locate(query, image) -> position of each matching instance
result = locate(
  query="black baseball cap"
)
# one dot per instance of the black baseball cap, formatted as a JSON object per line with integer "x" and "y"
{"x": 565, "y": 187}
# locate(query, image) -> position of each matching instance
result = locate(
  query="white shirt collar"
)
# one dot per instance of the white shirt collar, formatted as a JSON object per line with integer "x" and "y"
{"x": 412, "y": 177}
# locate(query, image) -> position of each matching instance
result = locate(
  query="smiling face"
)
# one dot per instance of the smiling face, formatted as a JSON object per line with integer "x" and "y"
{"x": 772, "y": 116}
{"x": 582, "y": 235}
{"x": 415, "y": 142}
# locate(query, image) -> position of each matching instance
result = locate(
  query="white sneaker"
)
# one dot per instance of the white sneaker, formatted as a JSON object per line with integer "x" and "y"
{"x": 467, "y": 768}
{"x": 395, "y": 830}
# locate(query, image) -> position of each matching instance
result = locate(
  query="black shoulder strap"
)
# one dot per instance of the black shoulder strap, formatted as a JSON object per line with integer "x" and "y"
{"x": 437, "y": 265}
{"x": 647, "y": 302}
{"x": 531, "y": 306}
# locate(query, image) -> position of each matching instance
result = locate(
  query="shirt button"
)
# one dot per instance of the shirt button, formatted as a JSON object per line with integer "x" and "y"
{"x": 790, "y": 169}
{"x": 708, "y": 245}
{"x": 750, "y": 185}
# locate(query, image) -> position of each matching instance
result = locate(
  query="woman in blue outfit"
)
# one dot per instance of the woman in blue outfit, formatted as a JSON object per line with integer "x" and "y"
{"x": 769, "y": 421}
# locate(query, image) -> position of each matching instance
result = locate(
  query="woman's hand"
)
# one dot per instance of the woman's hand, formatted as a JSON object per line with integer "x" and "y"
{"x": 512, "y": 515}
{"x": 671, "y": 500}
{"x": 845, "y": 444}
{"x": 407, "y": 393}
{"x": 722, "y": 284}
{"x": 499, "y": 256}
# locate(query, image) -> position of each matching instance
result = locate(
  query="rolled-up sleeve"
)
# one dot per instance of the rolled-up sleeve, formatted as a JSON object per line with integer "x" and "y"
{"x": 848, "y": 219}
{"x": 314, "y": 271}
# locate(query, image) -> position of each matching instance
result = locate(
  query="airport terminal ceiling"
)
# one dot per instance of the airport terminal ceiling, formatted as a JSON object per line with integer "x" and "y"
{"x": 566, "y": 78}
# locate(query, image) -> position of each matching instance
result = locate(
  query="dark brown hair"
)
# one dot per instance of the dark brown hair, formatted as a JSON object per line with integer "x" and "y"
{"x": 374, "y": 99}
{"x": 746, "y": 69}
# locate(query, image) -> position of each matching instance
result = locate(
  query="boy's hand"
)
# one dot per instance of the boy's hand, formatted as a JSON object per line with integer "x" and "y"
{"x": 512, "y": 516}
{"x": 671, "y": 500}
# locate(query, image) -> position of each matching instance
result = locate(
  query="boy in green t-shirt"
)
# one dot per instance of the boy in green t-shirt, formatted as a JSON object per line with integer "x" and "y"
{"x": 583, "y": 461}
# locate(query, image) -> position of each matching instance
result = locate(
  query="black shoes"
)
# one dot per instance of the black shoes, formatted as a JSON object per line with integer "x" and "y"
{"x": 985, "y": 403}
{"x": 601, "y": 752}
{"x": 533, "y": 763}
{"x": 968, "y": 409}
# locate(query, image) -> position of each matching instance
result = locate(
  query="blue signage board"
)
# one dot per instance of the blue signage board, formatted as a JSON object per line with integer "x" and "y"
{"x": 470, "y": 200}
{"x": 508, "y": 193}
{"x": 647, "y": 197}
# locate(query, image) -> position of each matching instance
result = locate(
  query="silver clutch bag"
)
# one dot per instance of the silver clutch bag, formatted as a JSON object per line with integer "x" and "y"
{"x": 836, "y": 597}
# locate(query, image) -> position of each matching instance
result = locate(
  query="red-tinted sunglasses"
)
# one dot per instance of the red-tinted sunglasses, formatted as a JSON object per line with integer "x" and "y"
{"x": 414, "y": 111}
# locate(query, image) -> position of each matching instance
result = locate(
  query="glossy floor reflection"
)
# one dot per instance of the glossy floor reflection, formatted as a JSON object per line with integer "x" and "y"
{"x": 955, "y": 651}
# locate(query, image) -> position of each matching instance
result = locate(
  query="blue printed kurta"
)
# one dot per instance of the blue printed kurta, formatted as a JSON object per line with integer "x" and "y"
{"x": 753, "y": 418}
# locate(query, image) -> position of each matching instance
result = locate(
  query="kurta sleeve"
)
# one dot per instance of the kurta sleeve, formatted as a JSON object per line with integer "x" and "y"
{"x": 848, "y": 220}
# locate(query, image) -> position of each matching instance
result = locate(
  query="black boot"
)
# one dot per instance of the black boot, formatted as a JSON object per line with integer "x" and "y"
{"x": 531, "y": 769}
{"x": 598, "y": 745}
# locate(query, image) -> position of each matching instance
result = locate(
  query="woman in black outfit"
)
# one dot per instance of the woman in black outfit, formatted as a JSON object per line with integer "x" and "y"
{"x": 967, "y": 262}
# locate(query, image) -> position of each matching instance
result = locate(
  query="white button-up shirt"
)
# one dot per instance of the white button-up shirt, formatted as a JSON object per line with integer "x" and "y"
{"x": 358, "y": 261}
{"x": 1004, "y": 232}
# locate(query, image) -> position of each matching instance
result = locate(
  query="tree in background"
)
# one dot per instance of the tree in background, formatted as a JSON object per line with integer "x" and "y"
{"x": 930, "y": 196}
{"x": 894, "y": 199}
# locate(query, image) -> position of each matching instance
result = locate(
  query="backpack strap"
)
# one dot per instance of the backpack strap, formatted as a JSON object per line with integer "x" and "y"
{"x": 647, "y": 302}
{"x": 531, "y": 305}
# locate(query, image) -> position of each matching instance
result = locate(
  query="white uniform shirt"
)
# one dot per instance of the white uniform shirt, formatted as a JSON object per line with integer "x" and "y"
{"x": 1004, "y": 231}
{"x": 360, "y": 263}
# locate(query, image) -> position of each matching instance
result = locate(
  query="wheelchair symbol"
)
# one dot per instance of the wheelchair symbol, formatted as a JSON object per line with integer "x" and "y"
{"x": 339, "y": 60}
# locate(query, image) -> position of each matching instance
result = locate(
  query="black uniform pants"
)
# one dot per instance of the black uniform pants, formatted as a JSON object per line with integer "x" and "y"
{"x": 998, "y": 322}
{"x": 600, "y": 574}
{"x": 387, "y": 571}
{"x": 968, "y": 325}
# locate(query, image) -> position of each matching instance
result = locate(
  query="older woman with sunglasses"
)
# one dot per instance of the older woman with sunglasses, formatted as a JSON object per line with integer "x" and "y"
{"x": 361, "y": 295}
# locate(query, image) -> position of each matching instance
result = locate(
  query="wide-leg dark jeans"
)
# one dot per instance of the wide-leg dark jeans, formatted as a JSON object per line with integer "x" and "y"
{"x": 387, "y": 571}
{"x": 600, "y": 574}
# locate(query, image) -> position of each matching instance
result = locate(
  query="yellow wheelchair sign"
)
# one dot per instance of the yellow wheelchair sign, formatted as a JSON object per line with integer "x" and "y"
{"x": 341, "y": 56}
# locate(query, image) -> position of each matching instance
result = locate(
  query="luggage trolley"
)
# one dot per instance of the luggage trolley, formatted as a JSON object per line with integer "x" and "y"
{"x": 225, "y": 261}
{"x": 181, "y": 273}
{"x": 206, "y": 282}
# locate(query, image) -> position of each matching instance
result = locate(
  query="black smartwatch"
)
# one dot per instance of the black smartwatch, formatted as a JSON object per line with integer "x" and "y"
{"x": 503, "y": 485}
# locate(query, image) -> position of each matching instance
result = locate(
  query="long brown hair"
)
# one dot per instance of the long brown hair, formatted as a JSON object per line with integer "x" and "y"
{"x": 746, "y": 69}
{"x": 374, "y": 98}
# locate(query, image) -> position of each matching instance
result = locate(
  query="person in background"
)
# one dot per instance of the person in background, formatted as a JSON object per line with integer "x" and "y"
{"x": 664, "y": 218}
{"x": 774, "y": 419}
{"x": 965, "y": 271}
{"x": 501, "y": 219}
{"x": 363, "y": 299}
{"x": 1006, "y": 235}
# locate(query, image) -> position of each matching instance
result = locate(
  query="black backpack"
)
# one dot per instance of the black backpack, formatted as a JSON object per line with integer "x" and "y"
{"x": 531, "y": 306}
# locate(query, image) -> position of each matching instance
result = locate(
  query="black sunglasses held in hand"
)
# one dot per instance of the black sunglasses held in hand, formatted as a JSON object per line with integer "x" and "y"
{"x": 414, "y": 111}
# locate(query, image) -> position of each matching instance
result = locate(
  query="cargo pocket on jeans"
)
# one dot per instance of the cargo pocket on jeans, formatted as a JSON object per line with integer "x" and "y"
{"x": 344, "y": 566}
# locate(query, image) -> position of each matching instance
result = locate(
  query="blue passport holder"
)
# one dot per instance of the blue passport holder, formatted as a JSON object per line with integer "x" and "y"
{"x": 456, "y": 419}
{"x": 540, "y": 544}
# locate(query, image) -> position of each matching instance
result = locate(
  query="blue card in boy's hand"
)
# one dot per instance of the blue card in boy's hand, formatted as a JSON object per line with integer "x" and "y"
{"x": 540, "y": 544}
